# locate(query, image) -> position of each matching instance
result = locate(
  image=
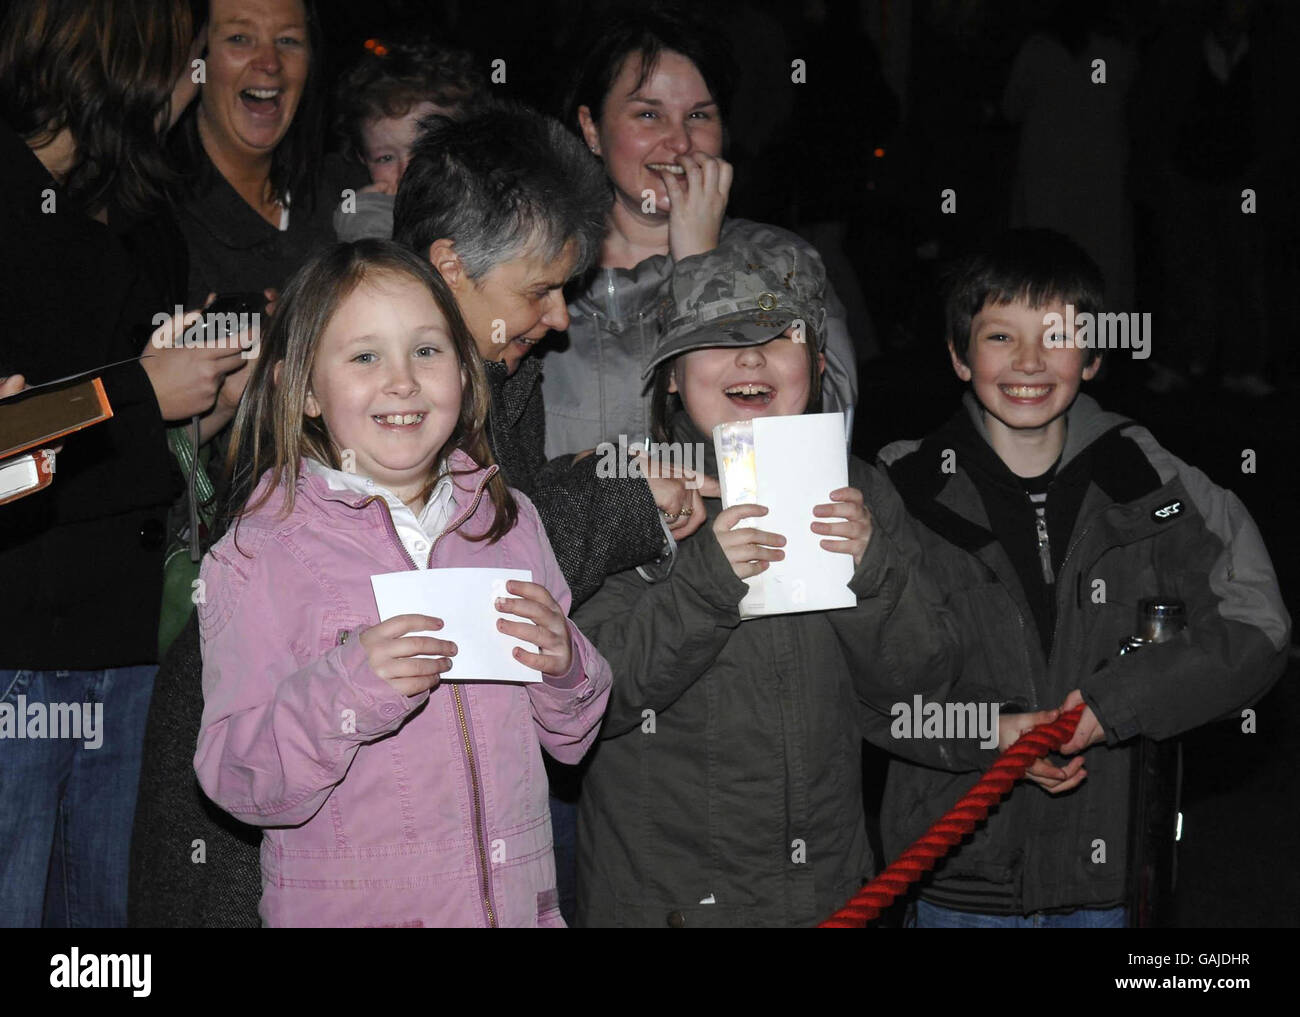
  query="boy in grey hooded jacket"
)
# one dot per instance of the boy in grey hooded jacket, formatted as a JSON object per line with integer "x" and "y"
{"x": 1046, "y": 520}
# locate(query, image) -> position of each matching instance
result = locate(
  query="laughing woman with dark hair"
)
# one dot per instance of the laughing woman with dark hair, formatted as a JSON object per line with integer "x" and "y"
{"x": 88, "y": 257}
{"x": 260, "y": 195}
{"x": 650, "y": 97}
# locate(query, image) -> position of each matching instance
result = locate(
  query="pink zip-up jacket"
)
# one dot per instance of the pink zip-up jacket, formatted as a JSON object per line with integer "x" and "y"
{"x": 379, "y": 808}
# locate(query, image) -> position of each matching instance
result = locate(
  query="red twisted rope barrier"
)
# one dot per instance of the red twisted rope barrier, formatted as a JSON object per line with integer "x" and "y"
{"x": 948, "y": 830}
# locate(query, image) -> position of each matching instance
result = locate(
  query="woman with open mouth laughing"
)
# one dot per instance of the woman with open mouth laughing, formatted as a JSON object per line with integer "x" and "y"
{"x": 261, "y": 196}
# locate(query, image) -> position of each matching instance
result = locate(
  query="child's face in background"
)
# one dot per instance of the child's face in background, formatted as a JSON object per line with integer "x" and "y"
{"x": 1022, "y": 383}
{"x": 388, "y": 142}
{"x": 387, "y": 382}
{"x": 725, "y": 383}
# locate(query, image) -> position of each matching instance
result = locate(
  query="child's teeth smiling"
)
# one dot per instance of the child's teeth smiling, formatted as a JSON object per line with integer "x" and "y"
{"x": 666, "y": 167}
{"x": 399, "y": 419}
{"x": 1026, "y": 391}
{"x": 751, "y": 393}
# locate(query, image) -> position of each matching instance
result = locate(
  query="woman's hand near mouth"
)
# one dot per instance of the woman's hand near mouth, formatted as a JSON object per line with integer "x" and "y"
{"x": 696, "y": 204}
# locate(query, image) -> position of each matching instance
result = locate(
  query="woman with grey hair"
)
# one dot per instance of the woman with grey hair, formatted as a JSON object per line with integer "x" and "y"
{"x": 509, "y": 207}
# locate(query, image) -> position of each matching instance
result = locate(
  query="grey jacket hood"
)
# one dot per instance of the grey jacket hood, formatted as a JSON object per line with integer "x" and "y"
{"x": 1086, "y": 421}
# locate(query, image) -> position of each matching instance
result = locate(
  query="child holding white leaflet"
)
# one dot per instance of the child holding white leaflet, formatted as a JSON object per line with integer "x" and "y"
{"x": 726, "y": 789}
{"x": 388, "y": 795}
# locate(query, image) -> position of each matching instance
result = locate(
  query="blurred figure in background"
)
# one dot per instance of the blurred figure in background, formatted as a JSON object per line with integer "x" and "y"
{"x": 379, "y": 104}
{"x": 1209, "y": 126}
{"x": 1068, "y": 90}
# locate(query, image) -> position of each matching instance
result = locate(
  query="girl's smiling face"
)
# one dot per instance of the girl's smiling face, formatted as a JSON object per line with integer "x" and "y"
{"x": 726, "y": 383}
{"x": 387, "y": 382}
{"x": 257, "y": 66}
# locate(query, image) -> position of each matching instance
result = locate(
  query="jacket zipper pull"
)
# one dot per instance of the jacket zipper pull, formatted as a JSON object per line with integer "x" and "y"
{"x": 1045, "y": 551}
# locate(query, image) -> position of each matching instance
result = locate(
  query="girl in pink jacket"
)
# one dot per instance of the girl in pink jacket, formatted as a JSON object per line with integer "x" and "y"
{"x": 388, "y": 796}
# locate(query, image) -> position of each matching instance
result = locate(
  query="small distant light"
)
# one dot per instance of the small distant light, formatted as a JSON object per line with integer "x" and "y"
{"x": 381, "y": 51}
{"x": 1178, "y": 830}
{"x": 371, "y": 43}
{"x": 879, "y": 153}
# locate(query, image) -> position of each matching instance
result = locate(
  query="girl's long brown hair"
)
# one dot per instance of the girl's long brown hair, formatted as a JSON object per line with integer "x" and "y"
{"x": 272, "y": 430}
{"x": 105, "y": 70}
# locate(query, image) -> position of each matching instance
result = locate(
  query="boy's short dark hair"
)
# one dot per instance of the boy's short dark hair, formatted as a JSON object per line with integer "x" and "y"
{"x": 499, "y": 183}
{"x": 1033, "y": 266}
{"x": 393, "y": 77}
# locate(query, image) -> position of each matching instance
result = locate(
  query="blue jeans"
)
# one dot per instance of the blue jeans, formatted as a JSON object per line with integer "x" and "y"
{"x": 932, "y": 916}
{"x": 67, "y": 793}
{"x": 564, "y": 829}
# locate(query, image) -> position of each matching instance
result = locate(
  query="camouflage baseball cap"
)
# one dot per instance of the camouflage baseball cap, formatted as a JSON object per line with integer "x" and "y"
{"x": 740, "y": 294}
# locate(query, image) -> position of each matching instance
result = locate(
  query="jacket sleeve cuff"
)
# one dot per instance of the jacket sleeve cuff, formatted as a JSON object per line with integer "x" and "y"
{"x": 576, "y": 674}
{"x": 879, "y": 556}
{"x": 380, "y": 707}
{"x": 1117, "y": 718}
{"x": 702, "y": 564}
{"x": 645, "y": 534}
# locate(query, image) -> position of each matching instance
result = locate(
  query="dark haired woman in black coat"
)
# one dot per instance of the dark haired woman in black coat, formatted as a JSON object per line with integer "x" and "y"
{"x": 88, "y": 258}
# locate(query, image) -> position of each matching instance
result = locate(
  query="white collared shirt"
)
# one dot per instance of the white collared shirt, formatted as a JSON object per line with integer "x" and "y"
{"x": 417, "y": 534}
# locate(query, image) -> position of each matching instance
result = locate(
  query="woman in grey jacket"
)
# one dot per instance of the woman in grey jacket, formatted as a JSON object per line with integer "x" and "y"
{"x": 651, "y": 99}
